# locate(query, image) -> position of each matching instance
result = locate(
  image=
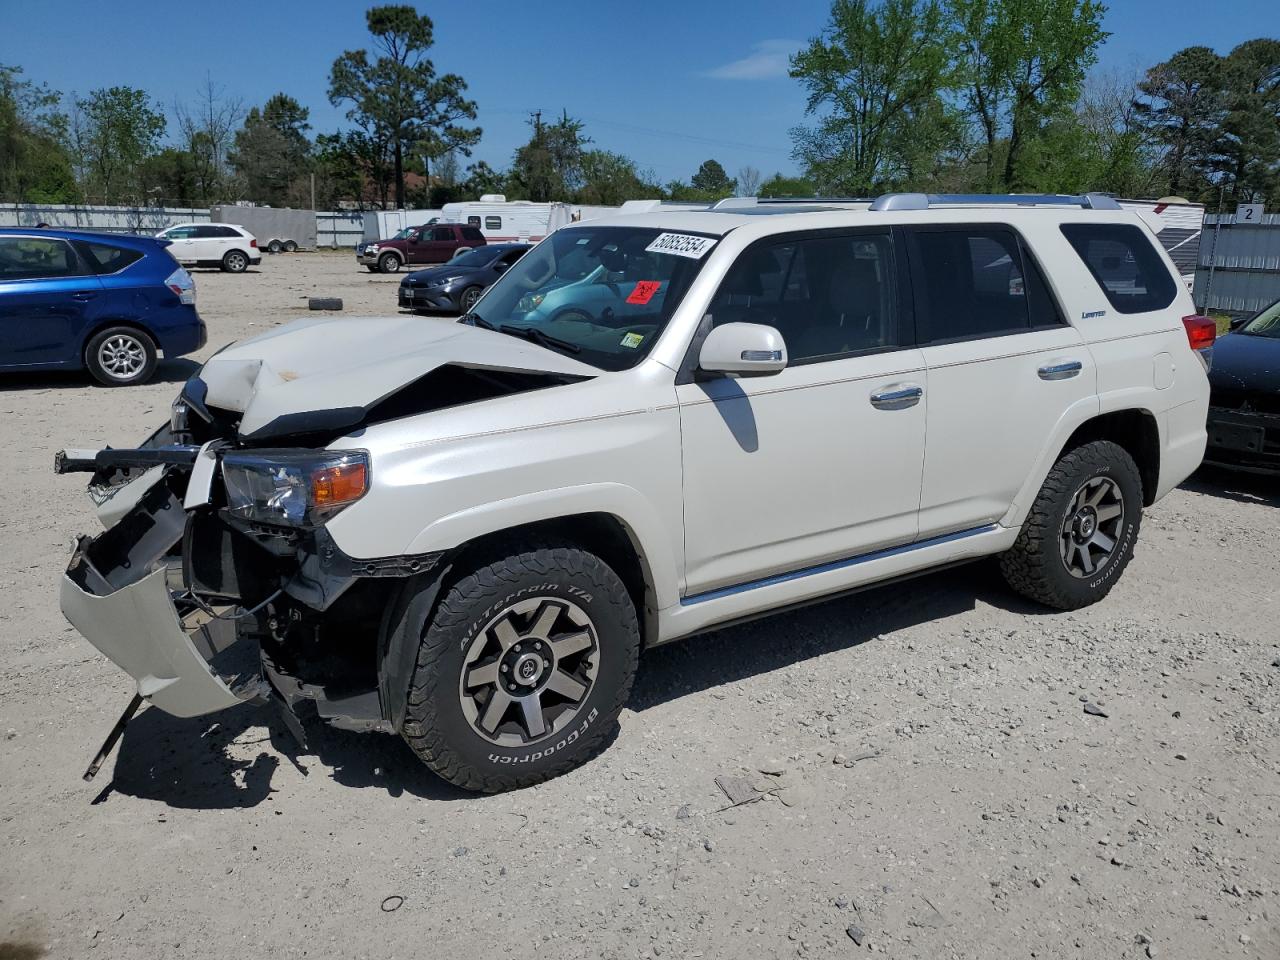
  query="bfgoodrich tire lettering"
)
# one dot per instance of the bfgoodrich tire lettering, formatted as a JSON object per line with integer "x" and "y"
{"x": 1037, "y": 565}
{"x": 540, "y": 595}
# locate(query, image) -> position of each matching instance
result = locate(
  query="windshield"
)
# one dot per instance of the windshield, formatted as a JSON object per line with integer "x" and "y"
{"x": 405, "y": 233}
{"x": 474, "y": 258}
{"x": 1265, "y": 324}
{"x": 602, "y": 294}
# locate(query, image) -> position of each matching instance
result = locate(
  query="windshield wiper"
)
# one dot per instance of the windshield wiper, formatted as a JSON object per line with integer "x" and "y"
{"x": 540, "y": 337}
{"x": 475, "y": 320}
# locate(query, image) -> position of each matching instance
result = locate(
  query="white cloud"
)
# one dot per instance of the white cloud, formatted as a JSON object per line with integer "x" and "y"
{"x": 768, "y": 58}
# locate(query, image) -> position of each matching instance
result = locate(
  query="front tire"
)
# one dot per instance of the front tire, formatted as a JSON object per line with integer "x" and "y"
{"x": 273, "y": 246}
{"x": 235, "y": 262}
{"x": 523, "y": 669}
{"x": 120, "y": 357}
{"x": 290, "y": 246}
{"x": 389, "y": 263}
{"x": 1081, "y": 531}
{"x": 469, "y": 298}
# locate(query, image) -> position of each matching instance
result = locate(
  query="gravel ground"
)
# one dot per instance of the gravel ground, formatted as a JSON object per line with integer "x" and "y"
{"x": 926, "y": 779}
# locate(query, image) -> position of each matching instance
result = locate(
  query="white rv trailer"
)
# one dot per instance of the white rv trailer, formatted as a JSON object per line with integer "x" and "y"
{"x": 502, "y": 220}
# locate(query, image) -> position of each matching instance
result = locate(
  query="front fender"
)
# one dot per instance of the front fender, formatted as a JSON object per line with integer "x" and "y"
{"x": 625, "y": 504}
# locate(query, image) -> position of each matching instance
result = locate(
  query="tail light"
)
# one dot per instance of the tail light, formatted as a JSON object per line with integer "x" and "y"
{"x": 1201, "y": 332}
{"x": 180, "y": 283}
{"x": 253, "y": 243}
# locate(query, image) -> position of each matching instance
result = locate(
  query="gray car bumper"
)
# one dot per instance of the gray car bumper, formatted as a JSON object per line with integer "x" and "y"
{"x": 138, "y": 629}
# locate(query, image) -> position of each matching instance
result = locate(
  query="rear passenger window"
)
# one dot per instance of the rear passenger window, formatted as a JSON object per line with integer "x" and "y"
{"x": 28, "y": 258}
{"x": 829, "y": 296}
{"x": 104, "y": 258}
{"x": 472, "y": 235}
{"x": 973, "y": 282}
{"x": 1125, "y": 264}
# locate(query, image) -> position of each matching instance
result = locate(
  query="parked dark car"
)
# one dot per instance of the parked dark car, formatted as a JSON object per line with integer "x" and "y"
{"x": 109, "y": 304}
{"x": 457, "y": 285}
{"x": 434, "y": 243}
{"x": 1244, "y": 399}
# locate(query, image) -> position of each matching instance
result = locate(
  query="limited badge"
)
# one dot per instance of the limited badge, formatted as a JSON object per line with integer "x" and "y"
{"x": 644, "y": 291}
{"x": 633, "y": 340}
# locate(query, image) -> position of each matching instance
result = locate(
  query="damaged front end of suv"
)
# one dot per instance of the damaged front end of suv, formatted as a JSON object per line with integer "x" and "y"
{"x": 216, "y": 580}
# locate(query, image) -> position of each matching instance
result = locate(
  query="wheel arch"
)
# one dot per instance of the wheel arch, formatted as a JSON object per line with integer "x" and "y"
{"x": 1136, "y": 431}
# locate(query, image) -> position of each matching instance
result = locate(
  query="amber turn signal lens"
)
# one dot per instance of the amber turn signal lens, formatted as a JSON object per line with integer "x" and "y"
{"x": 338, "y": 484}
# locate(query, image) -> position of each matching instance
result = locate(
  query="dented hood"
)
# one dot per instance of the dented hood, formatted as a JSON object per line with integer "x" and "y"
{"x": 324, "y": 374}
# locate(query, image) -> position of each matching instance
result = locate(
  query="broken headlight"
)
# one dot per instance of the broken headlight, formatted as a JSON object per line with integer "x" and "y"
{"x": 300, "y": 488}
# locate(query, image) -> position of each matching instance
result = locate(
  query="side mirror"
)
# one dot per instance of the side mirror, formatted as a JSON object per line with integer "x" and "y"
{"x": 1237, "y": 323}
{"x": 744, "y": 349}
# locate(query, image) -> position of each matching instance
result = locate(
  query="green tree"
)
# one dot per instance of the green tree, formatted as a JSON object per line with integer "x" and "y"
{"x": 170, "y": 177}
{"x": 1182, "y": 103}
{"x": 114, "y": 132}
{"x": 1247, "y": 154}
{"x": 1021, "y": 63}
{"x": 272, "y": 151}
{"x": 550, "y": 166}
{"x": 397, "y": 98}
{"x": 483, "y": 179}
{"x": 780, "y": 186}
{"x": 712, "y": 181}
{"x": 609, "y": 179}
{"x": 34, "y": 164}
{"x": 875, "y": 67}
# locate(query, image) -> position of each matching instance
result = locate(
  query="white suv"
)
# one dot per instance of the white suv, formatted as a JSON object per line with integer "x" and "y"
{"x": 649, "y": 427}
{"x": 227, "y": 246}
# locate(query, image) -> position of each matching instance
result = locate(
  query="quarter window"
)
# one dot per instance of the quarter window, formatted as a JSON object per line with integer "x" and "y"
{"x": 829, "y": 296}
{"x": 29, "y": 258}
{"x": 105, "y": 258}
{"x": 978, "y": 281}
{"x": 1125, "y": 265}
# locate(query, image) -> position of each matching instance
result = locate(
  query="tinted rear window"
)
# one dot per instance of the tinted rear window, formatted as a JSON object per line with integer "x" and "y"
{"x": 105, "y": 258}
{"x": 1125, "y": 264}
{"x": 976, "y": 282}
{"x": 472, "y": 234}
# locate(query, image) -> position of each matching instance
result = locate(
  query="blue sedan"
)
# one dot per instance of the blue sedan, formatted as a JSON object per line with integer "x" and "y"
{"x": 110, "y": 304}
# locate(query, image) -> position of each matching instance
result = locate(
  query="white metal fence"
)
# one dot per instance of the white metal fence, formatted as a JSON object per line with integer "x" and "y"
{"x": 338, "y": 229}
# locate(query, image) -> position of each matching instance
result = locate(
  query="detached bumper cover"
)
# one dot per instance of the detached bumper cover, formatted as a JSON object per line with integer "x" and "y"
{"x": 137, "y": 628}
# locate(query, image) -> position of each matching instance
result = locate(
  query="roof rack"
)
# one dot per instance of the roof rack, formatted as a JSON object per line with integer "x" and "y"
{"x": 924, "y": 201}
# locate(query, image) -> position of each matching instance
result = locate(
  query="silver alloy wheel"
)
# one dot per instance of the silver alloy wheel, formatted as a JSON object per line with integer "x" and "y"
{"x": 236, "y": 262}
{"x": 527, "y": 674}
{"x": 1091, "y": 527}
{"x": 470, "y": 296}
{"x": 122, "y": 356}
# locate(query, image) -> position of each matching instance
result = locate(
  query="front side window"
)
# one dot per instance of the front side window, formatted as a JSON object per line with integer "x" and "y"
{"x": 829, "y": 296}
{"x": 179, "y": 233}
{"x": 37, "y": 258}
{"x": 977, "y": 281}
{"x": 600, "y": 294}
{"x": 1125, "y": 265}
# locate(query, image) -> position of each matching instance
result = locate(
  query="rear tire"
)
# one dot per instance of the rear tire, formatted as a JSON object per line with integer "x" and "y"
{"x": 389, "y": 263}
{"x": 120, "y": 356}
{"x": 1081, "y": 531}
{"x": 274, "y": 246}
{"x": 522, "y": 669}
{"x": 234, "y": 261}
{"x": 290, "y": 247}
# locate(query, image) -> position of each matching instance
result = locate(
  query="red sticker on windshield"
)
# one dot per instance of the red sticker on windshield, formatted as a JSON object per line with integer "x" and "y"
{"x": 644, "y": 291}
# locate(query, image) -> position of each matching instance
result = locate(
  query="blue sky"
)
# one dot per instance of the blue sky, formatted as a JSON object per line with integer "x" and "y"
{"x": 667, "y": 83}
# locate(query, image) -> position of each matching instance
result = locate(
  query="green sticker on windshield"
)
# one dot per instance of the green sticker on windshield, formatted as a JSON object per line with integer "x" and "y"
{"x": 633, "y": 340}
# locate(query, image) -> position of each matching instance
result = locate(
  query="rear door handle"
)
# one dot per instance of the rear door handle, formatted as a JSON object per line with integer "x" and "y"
{"x": 897, "y": 396}
{"x": 1064, "y": 370}
{"x": 83, "y": 295}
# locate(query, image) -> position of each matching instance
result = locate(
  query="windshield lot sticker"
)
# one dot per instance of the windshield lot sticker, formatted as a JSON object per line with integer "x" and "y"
{"x": 644, "y": 291}
{"x": 680, "y": 245}
{"x": 633, "y": 340}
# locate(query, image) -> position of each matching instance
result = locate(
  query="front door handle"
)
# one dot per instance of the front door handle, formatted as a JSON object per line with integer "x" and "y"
{"x": 1064, "y": 370}
{"x": 897, "y": 396}
{"x": 83, "y": 295}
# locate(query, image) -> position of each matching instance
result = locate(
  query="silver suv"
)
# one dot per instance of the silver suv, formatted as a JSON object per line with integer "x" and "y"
{"x": 650, "y": 426}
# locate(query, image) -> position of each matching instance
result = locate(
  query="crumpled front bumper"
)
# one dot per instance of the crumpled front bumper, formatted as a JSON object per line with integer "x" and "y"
{"x": 137, "y": 628}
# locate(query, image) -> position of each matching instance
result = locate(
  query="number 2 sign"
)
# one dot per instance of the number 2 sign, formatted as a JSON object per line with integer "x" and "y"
{"x": 1249, "y": 213}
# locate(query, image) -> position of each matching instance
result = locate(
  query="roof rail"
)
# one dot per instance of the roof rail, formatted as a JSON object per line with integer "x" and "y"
{"x": 923, "y": 201}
